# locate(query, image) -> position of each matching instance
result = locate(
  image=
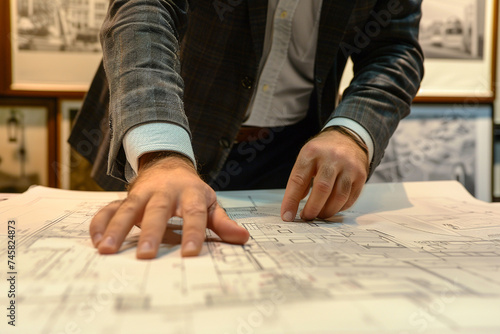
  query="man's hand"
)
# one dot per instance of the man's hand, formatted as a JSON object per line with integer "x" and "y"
{"x": 337, "y": 167}
{"x": 164, "y": 188}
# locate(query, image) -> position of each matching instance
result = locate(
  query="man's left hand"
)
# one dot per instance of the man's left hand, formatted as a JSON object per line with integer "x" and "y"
{"x": 336, "y": 166}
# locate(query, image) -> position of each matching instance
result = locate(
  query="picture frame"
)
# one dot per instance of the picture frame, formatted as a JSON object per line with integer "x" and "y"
{"x": 460, "y": 54}
{"x": 54, "y": 47}
{"x": 496, "y": 164}
{"x": 442, "y": 142}
{"x": 459, "y": 41}
{"x": 447, "y": 78}
{"x": 28, "y": 151}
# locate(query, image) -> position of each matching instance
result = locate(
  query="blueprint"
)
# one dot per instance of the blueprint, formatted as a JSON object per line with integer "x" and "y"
{"x": 415, "y": 257}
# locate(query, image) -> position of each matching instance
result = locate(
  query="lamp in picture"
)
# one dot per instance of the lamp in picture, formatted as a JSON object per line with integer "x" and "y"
{"x": 13, "y": 126}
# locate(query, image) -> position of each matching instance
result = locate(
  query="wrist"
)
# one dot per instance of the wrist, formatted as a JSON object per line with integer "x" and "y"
{"x": 152, "y": 158}
{"x": 354, "y": 138}
{"x": 352, "y": 135}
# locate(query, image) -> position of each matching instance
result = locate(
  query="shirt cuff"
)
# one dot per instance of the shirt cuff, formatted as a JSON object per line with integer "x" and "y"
{"x": 355, "y": 127}
{"x": 152, "y": 137}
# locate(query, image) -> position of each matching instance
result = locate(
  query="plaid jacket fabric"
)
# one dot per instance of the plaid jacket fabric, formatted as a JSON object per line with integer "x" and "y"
{"x": 196, "y": 67}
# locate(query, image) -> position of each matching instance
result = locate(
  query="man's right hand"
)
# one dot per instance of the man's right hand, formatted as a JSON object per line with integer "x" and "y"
{"x": 164, "y": 188}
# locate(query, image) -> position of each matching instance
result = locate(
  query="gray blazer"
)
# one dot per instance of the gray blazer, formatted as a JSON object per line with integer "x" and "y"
{"x": 195, "y": 66}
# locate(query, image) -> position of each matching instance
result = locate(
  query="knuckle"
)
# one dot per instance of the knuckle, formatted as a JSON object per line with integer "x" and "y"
{"x": 309, "y": 151}
{"x": 194, "y": 209}
{"x": 341, "y": 198}
{"x": 323, "y": 186}
{"x": 345, "y": 186}
{"x": 132, "y": 198}
{"x": 357, "y": 166}
{"x": 334, "y": 154}
{"x": 159, "y": 206}
{"x": 130, "y": 203}
{"x": 298, "y": 180}
{"x": 127, "y": 208}
{"x": 302, "y": 163}
{"x": 327, "y": 171}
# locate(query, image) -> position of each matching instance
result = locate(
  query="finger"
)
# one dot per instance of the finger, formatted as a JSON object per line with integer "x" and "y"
{"x": 193, "y": 207}
{"x": 296, "y": 188}
{"x": 356, "y": 189}
{"x": 100, "y": 221}
{"x": 340, "y": 196}
{"x": 322, "y": 188}
{"x": 226, "y": 228}
{"x": 129, "y": 213}
{"x": 159, "y": 210}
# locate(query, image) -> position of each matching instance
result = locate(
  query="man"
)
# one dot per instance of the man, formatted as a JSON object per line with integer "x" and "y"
{"x": 249, "y": 74}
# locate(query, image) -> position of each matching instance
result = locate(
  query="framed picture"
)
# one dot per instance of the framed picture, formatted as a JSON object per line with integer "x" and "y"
{"x": 54, "y": 44}
{"x": 28, "y": 149}
{"x": 73, "y": 169}
{"x": 442, "y": 142}
{"x": 496, "y": 164}
{"x": 458, "y": 38}
{"x": 47, "y": 38}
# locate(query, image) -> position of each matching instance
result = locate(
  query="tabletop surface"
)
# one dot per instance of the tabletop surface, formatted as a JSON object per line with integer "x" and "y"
{"x": 406, "y": 258}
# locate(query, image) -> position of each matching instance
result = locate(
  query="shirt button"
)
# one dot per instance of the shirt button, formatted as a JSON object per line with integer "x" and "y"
{"x": 265, "y": 87}
{"x": 284, "y": 14}
{"x": 247, "y": 82}
{"x": 224, "y": 142}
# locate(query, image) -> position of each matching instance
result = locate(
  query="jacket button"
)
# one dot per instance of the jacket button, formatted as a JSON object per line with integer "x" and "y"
{"x": 247, "y": 82}
{"x": 224, "y": 142}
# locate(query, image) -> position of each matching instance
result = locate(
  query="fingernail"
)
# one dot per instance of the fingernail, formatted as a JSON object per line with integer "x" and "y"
{"x": 96, "y": 238}
{"x": 189, "y": 248}
{"x": 109, "y": 242}
{"x": 288, "y": 216}
{"x": 145, "y": 247}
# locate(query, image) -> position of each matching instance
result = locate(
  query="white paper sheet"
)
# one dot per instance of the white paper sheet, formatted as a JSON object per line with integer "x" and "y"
{"x": 407, "y": 258}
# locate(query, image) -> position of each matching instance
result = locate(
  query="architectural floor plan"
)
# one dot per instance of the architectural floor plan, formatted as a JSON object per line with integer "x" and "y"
{"x": 407, "y": 258}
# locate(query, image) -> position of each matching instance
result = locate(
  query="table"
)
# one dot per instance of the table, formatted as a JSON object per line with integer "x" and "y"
{"x": 416, "y": 257}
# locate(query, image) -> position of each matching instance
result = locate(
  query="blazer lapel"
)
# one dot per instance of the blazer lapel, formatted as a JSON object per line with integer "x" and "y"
{"x": 335, "y": 15}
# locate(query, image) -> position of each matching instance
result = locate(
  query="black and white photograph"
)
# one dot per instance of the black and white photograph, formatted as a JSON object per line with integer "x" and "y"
{"x": 44, "y": 25}
{"x": 457, "y": 38}
{"x": 441, "y": 143}
{"x": 61, "y": 35}
{"x": 453, "y": 29}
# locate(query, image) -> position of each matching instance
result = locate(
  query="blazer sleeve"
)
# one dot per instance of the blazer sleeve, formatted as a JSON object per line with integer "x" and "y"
{"x": 388, "y": 69}
{"x": 141, "y": 46}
